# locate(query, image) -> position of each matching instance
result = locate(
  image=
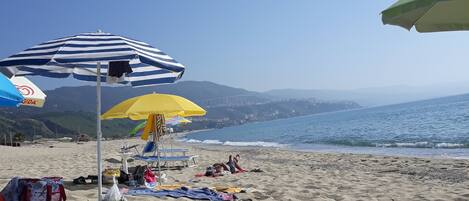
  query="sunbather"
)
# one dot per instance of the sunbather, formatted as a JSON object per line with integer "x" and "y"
{"x": 233, "y": 164}
{"x": 236, "y": 163}
{"x": 215, "y": 170}
{"x": 225, "y": 167}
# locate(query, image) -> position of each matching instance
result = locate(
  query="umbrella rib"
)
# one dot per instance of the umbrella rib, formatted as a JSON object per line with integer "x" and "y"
{"x": 426, "y": 13}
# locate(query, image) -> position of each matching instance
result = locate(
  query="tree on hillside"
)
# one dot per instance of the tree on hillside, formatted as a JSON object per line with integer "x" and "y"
{"x": 18, "y": 137}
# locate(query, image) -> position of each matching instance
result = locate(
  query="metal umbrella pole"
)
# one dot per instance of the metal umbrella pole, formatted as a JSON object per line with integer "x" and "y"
{"x": 98, "y": 130}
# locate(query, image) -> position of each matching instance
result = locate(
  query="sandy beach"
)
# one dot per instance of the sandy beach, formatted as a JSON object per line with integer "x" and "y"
{"x": 288, "y": 175}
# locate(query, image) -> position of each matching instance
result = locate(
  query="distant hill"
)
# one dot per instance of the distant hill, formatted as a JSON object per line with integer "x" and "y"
{"x": 377, "y": 95}
{"x": 83, "y": 98}
{"x": 71, "y": 110}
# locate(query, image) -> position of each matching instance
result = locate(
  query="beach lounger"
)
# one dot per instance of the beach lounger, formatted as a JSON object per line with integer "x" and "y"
{"x": 153, "y": 159}
{"x": 150, "y": 147}
{"x": 175, "y": 150}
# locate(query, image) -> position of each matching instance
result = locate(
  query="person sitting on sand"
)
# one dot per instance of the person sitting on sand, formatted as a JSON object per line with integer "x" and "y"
{"x": 236, "y": 160}
{"x": 225, "y": 167}
{"x": 215, "y": 170}
{"x": 233, "y": 164}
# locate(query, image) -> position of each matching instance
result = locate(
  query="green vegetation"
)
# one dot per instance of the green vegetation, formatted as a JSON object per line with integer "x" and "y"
{"x": 70, "y": 111}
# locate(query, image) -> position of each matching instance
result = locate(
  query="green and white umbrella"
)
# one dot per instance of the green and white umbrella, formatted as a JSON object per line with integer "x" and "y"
{"x": 429, "y": 15}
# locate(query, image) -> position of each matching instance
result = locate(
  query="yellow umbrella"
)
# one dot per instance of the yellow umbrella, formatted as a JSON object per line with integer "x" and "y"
{"x": 155, "y": 107}
{"x": 140, "y": 107}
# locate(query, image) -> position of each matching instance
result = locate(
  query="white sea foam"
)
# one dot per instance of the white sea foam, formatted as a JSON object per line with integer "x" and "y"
{"x": 422, "y": 145}
{"x": 232, "y": 143}
{"x": 212, "y": 142}
{"x": 414, "y": 144}
{"x": 256, "y": 144}
{"x": 193, "y": 141}
{"x": 449, "y": 145}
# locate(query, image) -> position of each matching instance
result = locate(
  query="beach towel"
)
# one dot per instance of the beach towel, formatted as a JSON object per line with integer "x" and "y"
{"x": 227, "y": 189}
{"x": 169, "y": 187}
{"x": 205, "y": 174}
{"x": 197, "y": 194}
{"x": 11, "y": 191}
{"x": 149, "y": 127}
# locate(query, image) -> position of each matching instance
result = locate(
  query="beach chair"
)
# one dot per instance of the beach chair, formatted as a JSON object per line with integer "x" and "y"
{"x": 150, "y": 147}
{"x": 164, "y": 159}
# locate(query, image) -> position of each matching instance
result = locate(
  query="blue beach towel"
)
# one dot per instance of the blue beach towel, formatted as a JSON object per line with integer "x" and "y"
{"x": 199, "y": 194}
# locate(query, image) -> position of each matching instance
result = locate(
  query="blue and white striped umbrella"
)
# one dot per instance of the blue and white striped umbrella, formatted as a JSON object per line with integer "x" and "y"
{"x": 78, "y": 55}
{"x": 84, "y": 55}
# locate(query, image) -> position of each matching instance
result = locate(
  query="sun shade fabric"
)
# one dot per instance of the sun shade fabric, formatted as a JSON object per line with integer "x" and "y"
{"x": 137, "y": 129}
{"x": 149, "y": 127}
{"x": 140, "y": 107}
{"x": 78, "y": 56}
{"x": 429, "y": 15}
{"x": 9, "y": 94}
{"x": 33, "y": 96}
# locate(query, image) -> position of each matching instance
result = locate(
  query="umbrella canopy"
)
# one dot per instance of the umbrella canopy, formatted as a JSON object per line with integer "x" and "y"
{"x": 429, "y": 15}
{"x": 177, "y": 120}
{"x": 140, "y": 107}
{"x": 137, "y": 129}
{"x": 9, "y": 95}
{"x": 78, "y": 55}
{"x": 33, "y": 96}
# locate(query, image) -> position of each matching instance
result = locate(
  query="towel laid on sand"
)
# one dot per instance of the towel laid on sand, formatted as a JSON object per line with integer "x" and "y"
{"x": 198, "y": 194}
{"x": 204, "y": 174}
{"x": 228, "y": 189}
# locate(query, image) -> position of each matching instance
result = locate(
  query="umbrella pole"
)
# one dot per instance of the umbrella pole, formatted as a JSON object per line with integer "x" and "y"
{"x": 157, "y": 148}
{"x": 98, "y": 129}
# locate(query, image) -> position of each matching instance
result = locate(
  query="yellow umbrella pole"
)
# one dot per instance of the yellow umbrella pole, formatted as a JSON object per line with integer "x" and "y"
{"x": 159, "y": 132}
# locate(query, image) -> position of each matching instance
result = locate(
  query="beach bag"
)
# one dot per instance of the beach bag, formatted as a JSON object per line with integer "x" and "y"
{"x": 150, "y": 178}
{"x": 45, "y": 189}
{"x": 123, "y": 178}
{"x": 114, "y": 194}
{"x": 139, "y": 174}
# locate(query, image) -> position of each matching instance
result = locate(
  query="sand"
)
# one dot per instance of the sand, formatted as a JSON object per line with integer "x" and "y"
{"x": 288, "y": 175}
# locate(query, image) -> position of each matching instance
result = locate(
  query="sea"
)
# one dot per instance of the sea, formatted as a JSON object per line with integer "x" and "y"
{"x": 436, "y": 128}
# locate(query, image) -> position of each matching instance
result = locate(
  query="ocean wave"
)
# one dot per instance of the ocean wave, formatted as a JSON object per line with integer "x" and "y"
{"x": 192, "y": 141}
{"x": 235, "y": 143}
{"x": 256, "y": 144}
{"x": 450, "y": 145}
{"x": 445, "y": 145}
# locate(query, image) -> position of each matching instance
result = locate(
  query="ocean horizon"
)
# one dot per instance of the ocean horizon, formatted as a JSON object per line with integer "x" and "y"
{"x": 428, "y": 128}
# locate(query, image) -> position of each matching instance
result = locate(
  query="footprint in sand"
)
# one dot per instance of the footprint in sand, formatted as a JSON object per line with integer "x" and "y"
{"x": 259, "y": 196}
{"x": 250, "y": 186}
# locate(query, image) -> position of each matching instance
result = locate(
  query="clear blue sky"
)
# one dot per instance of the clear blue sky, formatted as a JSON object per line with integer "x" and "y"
{"x": 254, "y": 44}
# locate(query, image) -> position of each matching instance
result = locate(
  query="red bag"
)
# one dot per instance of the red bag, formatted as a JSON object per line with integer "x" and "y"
{"x": 149, "y": 176}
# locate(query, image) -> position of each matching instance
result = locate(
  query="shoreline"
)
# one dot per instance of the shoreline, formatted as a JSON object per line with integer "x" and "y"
{"x": 419, "y": 152}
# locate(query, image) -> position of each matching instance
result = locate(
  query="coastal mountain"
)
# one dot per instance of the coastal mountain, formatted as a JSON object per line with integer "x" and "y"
{"x": 376, "y": 96}
{"x": 206, "y": 94}
{"x": 71, "y": 110}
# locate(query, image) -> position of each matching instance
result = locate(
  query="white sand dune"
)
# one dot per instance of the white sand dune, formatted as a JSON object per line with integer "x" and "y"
{"x": 288, "y": 175}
